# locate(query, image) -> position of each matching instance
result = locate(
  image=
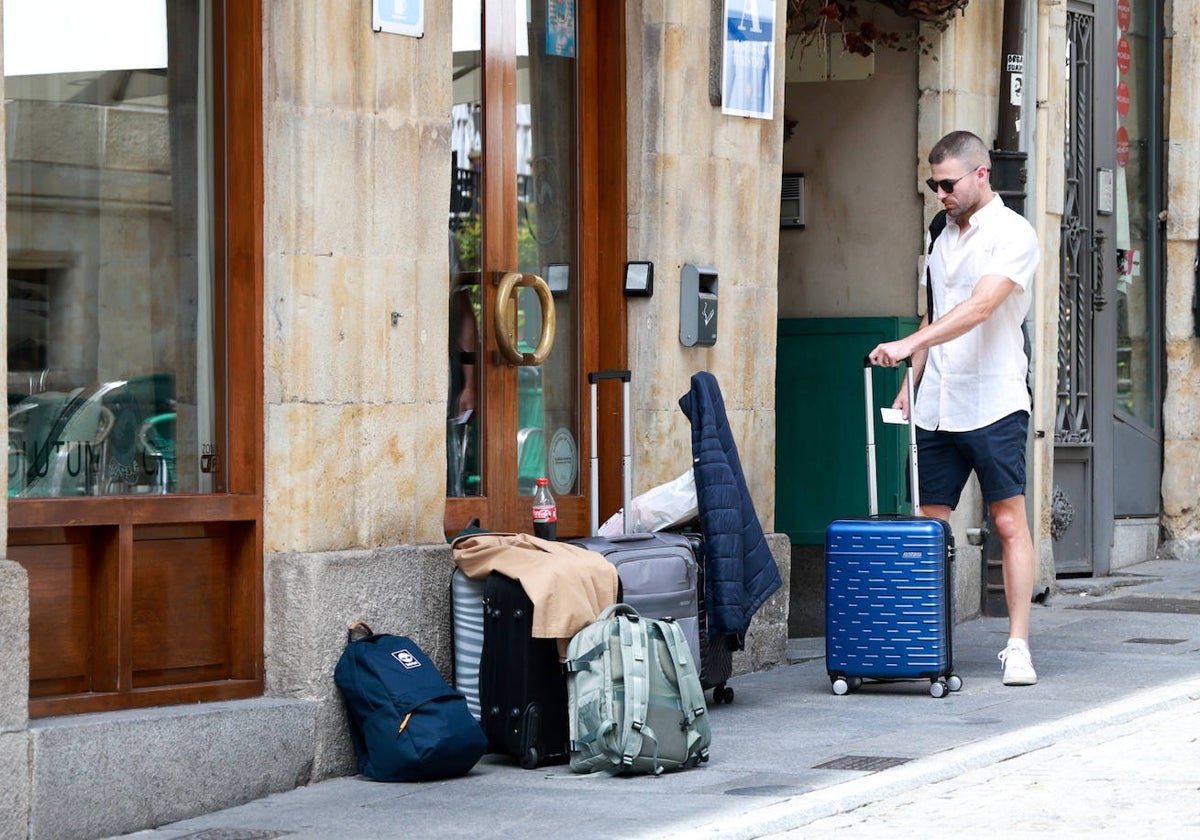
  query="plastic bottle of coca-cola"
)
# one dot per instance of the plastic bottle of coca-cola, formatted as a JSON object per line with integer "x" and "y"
{"x": 545, "y": 511}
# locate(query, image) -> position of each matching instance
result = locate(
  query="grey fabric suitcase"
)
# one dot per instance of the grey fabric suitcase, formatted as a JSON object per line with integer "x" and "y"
{"x": 660, "y": 578}
{"x": 659, "y": 572}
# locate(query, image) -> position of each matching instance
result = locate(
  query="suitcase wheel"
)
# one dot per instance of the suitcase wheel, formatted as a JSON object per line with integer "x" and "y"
{"x": 722, "y": 694}
{"x": 844, "y": 685}
{"x": 939, "y": 687}
{"x": 954, "y": 682}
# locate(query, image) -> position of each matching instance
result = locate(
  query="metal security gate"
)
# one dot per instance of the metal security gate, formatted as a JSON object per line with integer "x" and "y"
{"x": 1081, "y": 513}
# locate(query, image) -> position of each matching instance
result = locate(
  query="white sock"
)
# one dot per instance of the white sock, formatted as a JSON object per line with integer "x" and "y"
{"x": 1015, "y": 642}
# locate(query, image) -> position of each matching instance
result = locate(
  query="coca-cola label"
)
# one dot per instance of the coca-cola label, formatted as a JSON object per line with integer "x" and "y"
{"x": 545, "y": 513}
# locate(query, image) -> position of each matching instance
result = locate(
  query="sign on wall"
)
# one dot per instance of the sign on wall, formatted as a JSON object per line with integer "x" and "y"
{"x": 560, "y": 28}
{"x": 748, "y": 59}
{"x": 400, "y": 17}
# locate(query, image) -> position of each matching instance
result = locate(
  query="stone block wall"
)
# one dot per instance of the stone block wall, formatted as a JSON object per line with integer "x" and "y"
{"x": 14, "y": 692}
{"x": 702, "y": 188}
{"x": 1181, "y": 407}
{"x": 310, "y": 601}
{"x": 356, "y": 270}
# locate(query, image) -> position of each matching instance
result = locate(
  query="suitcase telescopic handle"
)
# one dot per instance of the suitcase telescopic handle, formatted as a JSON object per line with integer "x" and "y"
{"x": 868, "y": 387}
{"x": 598, "y": 375}
{"x": 594, "y": 378}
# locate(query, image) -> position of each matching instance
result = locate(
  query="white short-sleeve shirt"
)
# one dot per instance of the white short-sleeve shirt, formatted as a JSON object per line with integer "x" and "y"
{"x": 979, "y": 377}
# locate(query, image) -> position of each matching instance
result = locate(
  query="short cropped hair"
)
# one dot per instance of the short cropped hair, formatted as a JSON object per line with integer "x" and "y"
{"x": 961, "y": 146}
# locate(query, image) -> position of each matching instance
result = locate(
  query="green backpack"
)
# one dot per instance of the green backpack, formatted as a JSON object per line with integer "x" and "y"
{"x": 634, "y": 699}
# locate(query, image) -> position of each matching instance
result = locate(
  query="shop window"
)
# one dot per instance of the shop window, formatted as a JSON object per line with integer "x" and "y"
{"x": 110, "y": 177}
{"x": 134, "y": 275}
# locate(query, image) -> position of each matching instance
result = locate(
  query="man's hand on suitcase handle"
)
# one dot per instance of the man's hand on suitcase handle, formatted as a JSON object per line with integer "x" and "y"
{"x": 890, "y": 353}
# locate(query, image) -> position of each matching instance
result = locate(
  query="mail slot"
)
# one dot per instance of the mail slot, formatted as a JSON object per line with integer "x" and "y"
{"x": 698, "y": 306}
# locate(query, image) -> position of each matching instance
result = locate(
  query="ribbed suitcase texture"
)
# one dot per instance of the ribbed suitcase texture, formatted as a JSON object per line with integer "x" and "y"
{"x": 466, "y": 601}
{"x": 888, "y": 602}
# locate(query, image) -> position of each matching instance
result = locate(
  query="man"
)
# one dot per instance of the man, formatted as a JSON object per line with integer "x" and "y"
{"x": 972, "y": 407}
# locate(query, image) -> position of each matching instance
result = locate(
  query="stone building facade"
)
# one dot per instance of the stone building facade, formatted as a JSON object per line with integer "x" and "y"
{"x": 344, "y": 508}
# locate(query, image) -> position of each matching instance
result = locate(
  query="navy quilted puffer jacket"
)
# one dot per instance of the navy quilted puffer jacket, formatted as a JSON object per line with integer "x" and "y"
{"x": 739, "y": 567}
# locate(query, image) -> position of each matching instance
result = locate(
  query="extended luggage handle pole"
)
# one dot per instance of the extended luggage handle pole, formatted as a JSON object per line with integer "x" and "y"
{"x": 868, "y": 387}
{"x": 915, "y": 492}
{"x": 626, "y": 476}
{"x": 869, "y": 391}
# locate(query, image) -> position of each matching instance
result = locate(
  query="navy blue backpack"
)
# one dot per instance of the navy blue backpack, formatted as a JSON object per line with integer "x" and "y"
{"x": 407, "y": 723}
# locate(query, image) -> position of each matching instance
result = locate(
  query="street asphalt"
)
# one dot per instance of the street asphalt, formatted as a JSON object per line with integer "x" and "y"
{"x": 1106, "y": 744}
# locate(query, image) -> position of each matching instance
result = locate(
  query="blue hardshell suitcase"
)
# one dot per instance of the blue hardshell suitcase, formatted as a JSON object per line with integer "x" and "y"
{"x": 889, "y": 588}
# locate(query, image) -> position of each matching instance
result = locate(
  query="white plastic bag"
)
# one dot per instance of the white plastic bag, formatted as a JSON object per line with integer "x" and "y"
{"x": 659, "y": 508}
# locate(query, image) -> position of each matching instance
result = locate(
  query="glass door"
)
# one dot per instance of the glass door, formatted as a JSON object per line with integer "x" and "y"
{"x": 1138, "y": 361}
{"x": 515, "y": 349}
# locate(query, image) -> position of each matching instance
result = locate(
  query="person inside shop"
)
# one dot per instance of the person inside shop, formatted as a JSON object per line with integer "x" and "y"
{"x": 461, "y": 402}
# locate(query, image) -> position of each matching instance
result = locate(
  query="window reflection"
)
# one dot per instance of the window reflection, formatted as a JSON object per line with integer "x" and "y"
{"x": 112, "y": 383}
{"x": 1136, "y": 218}
{"x": 464, "y": 455}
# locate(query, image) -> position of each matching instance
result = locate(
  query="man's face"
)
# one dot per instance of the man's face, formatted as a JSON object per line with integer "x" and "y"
{"x": 963, "y": 195}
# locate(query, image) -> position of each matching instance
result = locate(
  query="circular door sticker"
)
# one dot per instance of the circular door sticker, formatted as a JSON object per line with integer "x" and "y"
{"x": 1124, "y": 55}
{"x": 564, "y": 462}
{"x": 1123, "y": 98}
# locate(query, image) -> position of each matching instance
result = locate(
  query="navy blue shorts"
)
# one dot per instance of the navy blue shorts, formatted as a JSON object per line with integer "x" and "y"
{"x": 996, "y": 453}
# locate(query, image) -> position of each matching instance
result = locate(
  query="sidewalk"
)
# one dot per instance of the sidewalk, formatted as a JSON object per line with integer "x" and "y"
{"x": 788, "y": 752}
{"x": 1121, "y": 780}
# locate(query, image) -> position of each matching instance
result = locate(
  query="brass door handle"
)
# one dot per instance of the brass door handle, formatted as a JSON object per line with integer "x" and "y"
{"x": 505, "y": 319}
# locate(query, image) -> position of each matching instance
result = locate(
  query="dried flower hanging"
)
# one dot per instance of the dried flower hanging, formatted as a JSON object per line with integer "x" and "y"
{"x": 811, "y": 19}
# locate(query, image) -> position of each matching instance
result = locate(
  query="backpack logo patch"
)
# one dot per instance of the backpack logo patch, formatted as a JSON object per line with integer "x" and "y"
{"x": 406, "y": 659}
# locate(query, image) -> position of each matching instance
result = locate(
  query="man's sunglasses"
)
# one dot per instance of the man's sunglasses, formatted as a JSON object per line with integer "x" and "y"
{"x": 946, "y": 185}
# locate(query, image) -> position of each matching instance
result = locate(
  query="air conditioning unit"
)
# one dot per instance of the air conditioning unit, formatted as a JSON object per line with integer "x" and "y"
{"x": 791, "y": 201}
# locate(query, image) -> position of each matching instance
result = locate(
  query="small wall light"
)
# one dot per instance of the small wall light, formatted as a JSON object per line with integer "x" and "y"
{"x": 639, "y": 279}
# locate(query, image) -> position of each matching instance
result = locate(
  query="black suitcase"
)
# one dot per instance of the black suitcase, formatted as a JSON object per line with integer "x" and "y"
{"x": 716, "y": 652}
{"x": 522, "y": 687}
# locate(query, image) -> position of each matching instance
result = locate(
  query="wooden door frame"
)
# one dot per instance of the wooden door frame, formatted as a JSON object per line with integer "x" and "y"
{"x": 602, "y": 249}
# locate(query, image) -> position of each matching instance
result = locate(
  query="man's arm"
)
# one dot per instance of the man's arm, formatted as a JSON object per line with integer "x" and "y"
{"x": 990, "y": 292}
{"x": 919, "y": 358}
{"x": 467, "y": 350}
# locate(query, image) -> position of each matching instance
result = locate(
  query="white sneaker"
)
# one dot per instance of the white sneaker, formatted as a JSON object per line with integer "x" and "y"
{"x": 1018, "y": 666}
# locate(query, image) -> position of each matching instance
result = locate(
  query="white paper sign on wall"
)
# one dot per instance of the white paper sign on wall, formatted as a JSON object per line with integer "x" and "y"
{"x": 400, "y": 17}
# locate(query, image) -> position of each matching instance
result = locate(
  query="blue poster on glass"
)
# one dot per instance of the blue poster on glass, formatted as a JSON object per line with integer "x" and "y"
{"x": 748, "y": 61}
{"x": 560, "y": 28}
{"x": 400, "y": 17}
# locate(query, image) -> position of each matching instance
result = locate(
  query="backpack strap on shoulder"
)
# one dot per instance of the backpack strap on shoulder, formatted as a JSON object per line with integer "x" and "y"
{"x": 936, "y": 225}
